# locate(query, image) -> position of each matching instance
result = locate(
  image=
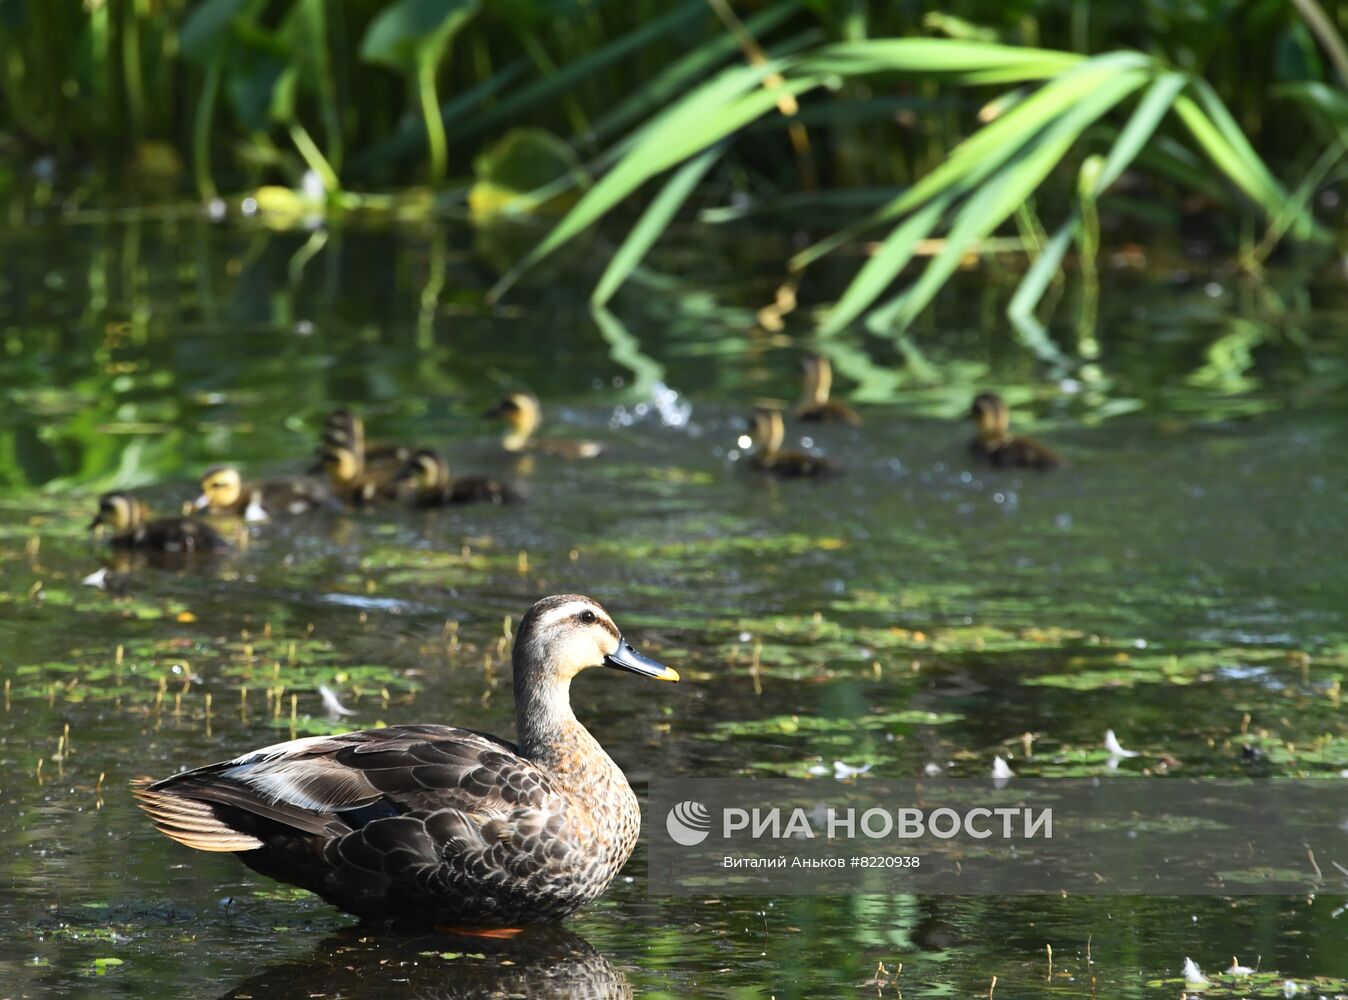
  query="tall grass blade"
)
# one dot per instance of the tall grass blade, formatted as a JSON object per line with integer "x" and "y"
{"x": 885, "y": 265}
{"x": 1031, "y": 291}
{"x": 705, "y": 117}
{"x": 1221, "y": 139}
{"x": 936, "y": 55}
{"x": 675, "y": 77}
{"x": 1135, "y": 136}
{"x": 1131, "y": 140}
{"x": 897, "y": 249}
{"x": 996, "y": 141}
{"x": 652, "y": 223}
{"x": 994, "y": 201}
{"x": 1301, "y": 197}
{"x": 411, "y": 137}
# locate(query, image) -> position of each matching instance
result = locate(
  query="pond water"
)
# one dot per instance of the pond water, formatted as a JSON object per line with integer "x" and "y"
{"x": 1183, "y": 582}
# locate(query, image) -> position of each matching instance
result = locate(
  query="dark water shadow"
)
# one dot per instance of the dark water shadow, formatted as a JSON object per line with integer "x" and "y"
{"x": 539, "y": 963}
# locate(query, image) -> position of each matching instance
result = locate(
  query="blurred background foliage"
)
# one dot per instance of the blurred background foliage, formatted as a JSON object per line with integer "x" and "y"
{"x": 945, "y": 132}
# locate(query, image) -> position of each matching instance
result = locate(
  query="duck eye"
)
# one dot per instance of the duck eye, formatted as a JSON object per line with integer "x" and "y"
{"x": 588, "y": 617}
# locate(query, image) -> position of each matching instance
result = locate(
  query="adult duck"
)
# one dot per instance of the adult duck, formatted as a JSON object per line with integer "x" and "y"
{"x": 996, "y": 445}
{"x": 432, "y": 823}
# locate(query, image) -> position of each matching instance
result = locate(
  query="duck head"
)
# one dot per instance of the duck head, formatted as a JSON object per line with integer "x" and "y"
{"x": 522, "y": 415}
{"x": 562, "y": 635}
{"x": 221, "y": 488}
{"x": 118, "y": 512}
{"x": 425, "y": 470}
{"x": 768, "y": 431}
{"x": 818, "y": 372}
{"x": 990, "y": 415}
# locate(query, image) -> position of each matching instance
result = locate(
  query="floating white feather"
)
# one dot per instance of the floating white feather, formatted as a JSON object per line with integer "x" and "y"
{"x": 1115, "y": 748}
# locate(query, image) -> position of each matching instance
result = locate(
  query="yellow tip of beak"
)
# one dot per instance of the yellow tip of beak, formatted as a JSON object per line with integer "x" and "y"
{"x": 668, "y": 674}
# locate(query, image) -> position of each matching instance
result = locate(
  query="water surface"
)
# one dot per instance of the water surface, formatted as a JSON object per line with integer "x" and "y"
{"x": 1182, "y": 582}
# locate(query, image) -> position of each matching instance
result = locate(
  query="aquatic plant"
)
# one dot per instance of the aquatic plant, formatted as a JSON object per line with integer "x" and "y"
{"x": 981, "y": 184}
{"x": 945, "y": 135}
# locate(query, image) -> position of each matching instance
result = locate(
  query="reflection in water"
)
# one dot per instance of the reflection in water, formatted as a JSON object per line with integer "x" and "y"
{"x": 541, "y": 962}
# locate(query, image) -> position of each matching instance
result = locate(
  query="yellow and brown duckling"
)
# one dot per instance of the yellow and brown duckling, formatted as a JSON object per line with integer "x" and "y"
{"x": 768, "y": 433}
{"x": 523, "y": 415}
{"x": 815, "y": 406}
{"x": 996, "y": 445}
{"x": 352, "y": 483}
{"x": 433, "y": 823}
{"x": 224, "y": 493}
{"x": 427, "y": 476}
{"x": 132, "y": 527}
{"x": 345, "y": 429}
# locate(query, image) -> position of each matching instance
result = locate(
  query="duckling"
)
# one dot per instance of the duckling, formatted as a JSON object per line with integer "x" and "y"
{"x": 223, "y": 492}
{"x": 345, "y": 429}
{"x": 427, "y": 475}
{"x": 995, "y": 443}
{"x": 815, "y": 406}
{"x": 132, "y": 528}
{"x": 768, "y": 433}
{"x": 522, "y": 414}
{"x": 430, "y": 822}
{"x": 352, "y": 483}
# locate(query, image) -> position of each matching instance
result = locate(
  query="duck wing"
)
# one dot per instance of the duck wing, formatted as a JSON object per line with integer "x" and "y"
{"x": 329, "y": 786}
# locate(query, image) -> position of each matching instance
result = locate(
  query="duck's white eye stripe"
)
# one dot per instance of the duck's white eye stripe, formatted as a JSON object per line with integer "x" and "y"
{"x": 569, "y": 610}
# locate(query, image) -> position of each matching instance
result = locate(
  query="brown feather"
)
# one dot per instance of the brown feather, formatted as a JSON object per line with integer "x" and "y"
{"x": 192, "y": 823}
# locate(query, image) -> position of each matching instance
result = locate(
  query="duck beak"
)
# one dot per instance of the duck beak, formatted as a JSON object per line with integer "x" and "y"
{"x": 627, "y": 658}
{"x": 495, "y": 410}
{"x": 201, "y": 502}
{"x": 97, "y": 522}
